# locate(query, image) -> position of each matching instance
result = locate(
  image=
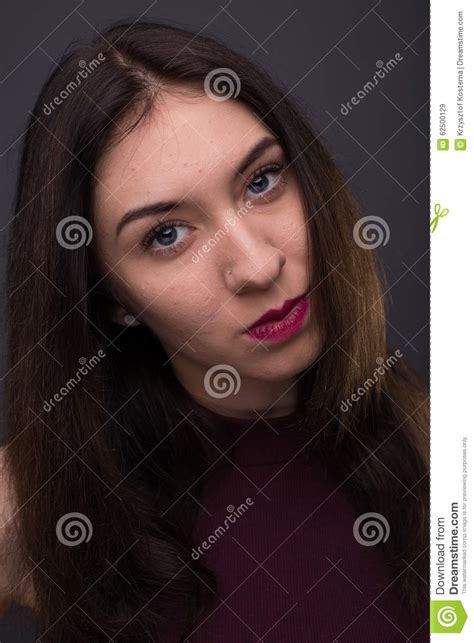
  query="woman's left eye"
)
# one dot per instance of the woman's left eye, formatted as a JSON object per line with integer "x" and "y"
{"x": 265, "y": 180}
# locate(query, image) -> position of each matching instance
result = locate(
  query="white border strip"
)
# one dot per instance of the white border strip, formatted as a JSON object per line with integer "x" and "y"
{"x": 452, "y": 258}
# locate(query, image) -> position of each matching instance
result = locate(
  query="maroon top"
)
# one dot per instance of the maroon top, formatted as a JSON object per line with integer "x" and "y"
{"x": 287, "y": 563}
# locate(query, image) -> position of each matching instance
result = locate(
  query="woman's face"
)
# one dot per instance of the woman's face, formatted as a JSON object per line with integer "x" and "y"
{"x": 233, "y": 247}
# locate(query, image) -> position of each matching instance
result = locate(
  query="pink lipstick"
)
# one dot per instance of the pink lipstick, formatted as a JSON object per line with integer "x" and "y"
{"x": 278, "y": 325}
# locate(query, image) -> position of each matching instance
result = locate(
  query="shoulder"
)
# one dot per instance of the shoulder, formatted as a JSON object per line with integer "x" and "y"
{"x": 11, "y": 589}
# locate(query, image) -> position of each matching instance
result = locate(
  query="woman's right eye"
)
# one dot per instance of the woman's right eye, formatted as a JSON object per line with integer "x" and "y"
{"x": 168, "y": 239}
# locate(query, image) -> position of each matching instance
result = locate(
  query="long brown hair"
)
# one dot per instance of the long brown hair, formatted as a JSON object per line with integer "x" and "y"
{"x": 114, "y": 443}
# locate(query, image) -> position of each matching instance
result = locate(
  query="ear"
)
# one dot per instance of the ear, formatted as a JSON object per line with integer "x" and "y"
{"x": 121, "y": 316}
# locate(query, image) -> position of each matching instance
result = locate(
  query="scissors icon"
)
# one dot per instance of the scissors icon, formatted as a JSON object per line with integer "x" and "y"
{"x": 439, "y": 213}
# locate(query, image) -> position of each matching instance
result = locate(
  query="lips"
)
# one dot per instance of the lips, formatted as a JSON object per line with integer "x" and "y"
{"x": 275, "y": 314}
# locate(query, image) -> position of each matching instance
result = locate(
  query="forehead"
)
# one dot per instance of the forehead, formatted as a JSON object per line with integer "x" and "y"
{"x": 183, "y": 139}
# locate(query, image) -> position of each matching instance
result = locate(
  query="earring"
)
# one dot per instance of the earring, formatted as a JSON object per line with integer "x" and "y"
{"x": 129, "y": 319}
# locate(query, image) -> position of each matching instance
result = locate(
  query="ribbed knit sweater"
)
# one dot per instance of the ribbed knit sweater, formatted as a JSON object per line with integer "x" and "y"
{"x": 278, "y": 531}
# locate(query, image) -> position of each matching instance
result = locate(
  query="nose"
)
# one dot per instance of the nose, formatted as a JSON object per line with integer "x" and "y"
{"x": 251, "y": 261}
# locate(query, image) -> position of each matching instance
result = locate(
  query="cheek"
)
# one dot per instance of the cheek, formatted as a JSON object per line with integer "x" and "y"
{"x": 175, "y": 305}
{"x": 291, "y": 238}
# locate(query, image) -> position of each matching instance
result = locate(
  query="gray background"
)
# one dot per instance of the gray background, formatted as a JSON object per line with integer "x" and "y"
{"x": 322, "y": 53}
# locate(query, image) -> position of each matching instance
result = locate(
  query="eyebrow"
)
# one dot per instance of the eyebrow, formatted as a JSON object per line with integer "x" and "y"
{"x": 153, "y": 209}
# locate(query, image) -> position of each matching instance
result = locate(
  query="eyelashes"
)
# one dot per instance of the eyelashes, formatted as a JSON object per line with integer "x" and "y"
{"x": 267, "y": 195}
{"x": 149, "y": 237}
{"x": 268, "y": 169}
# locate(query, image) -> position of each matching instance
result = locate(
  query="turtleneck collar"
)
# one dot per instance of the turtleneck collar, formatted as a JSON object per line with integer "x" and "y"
{"x": 252, "y": 441}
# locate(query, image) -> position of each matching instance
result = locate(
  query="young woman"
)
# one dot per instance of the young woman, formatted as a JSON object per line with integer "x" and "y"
{"x": 183, "y": 464}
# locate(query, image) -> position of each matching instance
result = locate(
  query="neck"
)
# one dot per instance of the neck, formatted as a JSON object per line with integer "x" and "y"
{"x": 253, "y": 398}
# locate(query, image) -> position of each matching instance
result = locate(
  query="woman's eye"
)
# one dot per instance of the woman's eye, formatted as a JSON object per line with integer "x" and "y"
{"x": 265, "y": 180}
{"x": 166, "y": 238}
{"x": 169, "y": 237}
